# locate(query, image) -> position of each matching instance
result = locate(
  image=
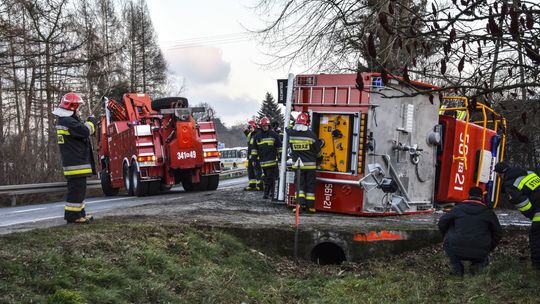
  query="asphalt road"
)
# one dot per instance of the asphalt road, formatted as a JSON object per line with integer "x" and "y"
{"x": 12, "y": 216}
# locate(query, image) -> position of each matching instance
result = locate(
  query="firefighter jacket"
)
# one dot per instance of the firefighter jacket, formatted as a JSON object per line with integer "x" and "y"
{"x": 306, "y": 146}
{"x": 523, "y": 187}
{"x": 75, "y": 149}
{"x": 250, "y": 143}
{"x": 471, "y": 229}
{"x": 267, "y": 145}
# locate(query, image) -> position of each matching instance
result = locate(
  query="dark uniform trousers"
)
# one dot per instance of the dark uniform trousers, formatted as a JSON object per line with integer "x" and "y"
{"x": 76, "y": 192}
{"x": 534, "y": 243}
{"x": 306, "y": 189}
{"x": 523, "y": 188}
{"x": 270, "y": 175}
{"x": 254, "y": 172}
{"x": 254, "y": 167}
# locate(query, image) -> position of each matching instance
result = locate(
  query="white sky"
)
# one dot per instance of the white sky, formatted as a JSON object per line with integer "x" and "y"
{"x": 220, "y": 65}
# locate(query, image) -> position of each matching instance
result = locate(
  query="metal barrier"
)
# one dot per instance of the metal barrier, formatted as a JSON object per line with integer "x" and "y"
{"x": 14, "y": 190}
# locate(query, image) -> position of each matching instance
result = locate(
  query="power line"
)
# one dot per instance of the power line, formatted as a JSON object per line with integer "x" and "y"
{"x": 210, "y": 40}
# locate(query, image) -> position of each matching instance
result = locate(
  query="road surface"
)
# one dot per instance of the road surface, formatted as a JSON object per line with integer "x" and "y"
{"x": 13, "y": 216}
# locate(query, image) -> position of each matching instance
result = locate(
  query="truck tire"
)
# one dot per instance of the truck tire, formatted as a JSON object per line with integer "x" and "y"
{"x": 165, "y": 103}
{"x": 106, "y": 184}
{"x": 186, "y": 183}
{"x": 154, "y": 187}
{"x": 189, "y": 186}
{"x": 213, "y": 182}
{"x": 127, "y": 179}
{"x": 140, "y": 188}
{"x": 164, "y": 187}
{"x": 203, "y": 185}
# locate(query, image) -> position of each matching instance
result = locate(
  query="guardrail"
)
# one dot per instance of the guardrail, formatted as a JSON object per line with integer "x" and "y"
{"x": 14, "y": 190}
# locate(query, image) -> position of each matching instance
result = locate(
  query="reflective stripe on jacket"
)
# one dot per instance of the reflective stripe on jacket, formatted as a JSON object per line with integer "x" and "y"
{"x": 73, "y": 141}
{"x": 523, "y": 189}
{"x": 266, "y": 145}
{"x": 306, "y": 146}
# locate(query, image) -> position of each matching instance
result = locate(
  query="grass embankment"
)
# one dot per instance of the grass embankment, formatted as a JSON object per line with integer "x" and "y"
{"x": 119, "y": 262}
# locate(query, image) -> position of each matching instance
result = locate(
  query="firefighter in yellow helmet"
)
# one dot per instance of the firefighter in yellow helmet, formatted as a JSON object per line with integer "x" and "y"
{"x": 73, "y": 136}
{"x": 305, "y": 146}
{"x": 523, "y": 189}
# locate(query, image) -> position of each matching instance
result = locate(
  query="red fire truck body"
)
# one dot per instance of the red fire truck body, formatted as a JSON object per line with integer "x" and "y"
{"x": 387, "y": 151}
{"x": 150, "y": 145}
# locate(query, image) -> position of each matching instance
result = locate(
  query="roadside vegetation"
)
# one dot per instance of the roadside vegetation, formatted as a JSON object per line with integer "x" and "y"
{"x": 126, "y": 262}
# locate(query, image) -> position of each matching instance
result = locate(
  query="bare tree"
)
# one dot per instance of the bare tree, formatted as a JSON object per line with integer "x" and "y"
{"x": 485, "y": 49}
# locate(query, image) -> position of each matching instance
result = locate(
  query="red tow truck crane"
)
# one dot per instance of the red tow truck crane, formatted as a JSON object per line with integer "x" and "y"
{"x": 149, "y": 145}
{"x": 388, "y": 150}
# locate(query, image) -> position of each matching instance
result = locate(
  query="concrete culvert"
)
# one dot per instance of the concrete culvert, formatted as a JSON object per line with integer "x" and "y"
{"x": 328, "y": 253}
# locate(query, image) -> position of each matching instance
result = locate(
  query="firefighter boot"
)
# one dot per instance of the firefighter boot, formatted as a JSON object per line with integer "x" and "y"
{"x": 259, "y": 186}
{"x": 266, "y": 193}
{"x": 84, "y": 220}
{"x": 252, "y": 185}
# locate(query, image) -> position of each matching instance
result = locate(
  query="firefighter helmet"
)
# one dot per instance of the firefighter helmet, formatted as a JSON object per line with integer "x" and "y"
{"x": 501, "y": 167}
{"x": 302, "y": 119}
{"x": 252, "y": 123}
{"x": 264, "y": 121}
{"x": 69, "y": 103}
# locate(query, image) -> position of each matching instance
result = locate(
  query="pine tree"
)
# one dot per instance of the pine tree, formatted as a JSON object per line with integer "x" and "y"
{"x": 271, "y": 109}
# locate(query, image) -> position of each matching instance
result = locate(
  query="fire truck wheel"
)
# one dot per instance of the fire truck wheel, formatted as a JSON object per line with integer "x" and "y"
{"x": 213, "y": 182}
{"x": 127, "y": 180}
{"x": 140, "y": 188}
{"x": 106, "y": 184}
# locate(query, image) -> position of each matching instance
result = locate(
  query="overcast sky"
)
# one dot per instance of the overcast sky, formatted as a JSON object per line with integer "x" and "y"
{"x": 205, "y": 43}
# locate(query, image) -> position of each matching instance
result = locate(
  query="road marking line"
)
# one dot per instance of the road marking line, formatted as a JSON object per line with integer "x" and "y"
{"x": 109, "y": 200}
{"x": 33, "y": 221}
{"x": 174, "y": 198}
{"x": 27, "y": 210}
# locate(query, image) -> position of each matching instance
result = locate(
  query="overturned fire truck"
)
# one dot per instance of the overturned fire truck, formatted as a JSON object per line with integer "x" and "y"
{"x": 388, "y": 150}
{"x": 149, "y": 145}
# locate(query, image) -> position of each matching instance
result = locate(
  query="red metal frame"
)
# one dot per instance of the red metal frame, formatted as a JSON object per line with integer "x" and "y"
{"x": 338, "y": 93}
{"x": 158, "y": 144}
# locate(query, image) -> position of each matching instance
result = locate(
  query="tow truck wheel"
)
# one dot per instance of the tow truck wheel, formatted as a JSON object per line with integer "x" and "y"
{"x": 203, "y": 184}
{"x": 213, "y": 182}
{"x": 164, "y": 187}
{"x": 106, "y": 184}
{"x": 140, "y": 188}
{"x": 127, "y": 180}
{"x": 187, "y": 184}
{"x": 154, "y": 187}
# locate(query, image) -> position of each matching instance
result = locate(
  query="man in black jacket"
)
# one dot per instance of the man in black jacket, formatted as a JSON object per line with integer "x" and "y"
{"x": 77, "y": 159}
{"x": 471, "y": 231}
{"x": 523, "y": 188}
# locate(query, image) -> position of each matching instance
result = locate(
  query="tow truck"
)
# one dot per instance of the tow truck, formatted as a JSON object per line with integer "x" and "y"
{"x": 146, "y": 145}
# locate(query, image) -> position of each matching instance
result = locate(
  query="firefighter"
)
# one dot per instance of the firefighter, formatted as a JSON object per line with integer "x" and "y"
{"x": 254, "y": 168}
{"x": 523, "y": 189}
{"x": 471, "y": 231}
{"x": 305, "y": 146}
{"x": 267, "y": 145}
{"x": 77, "y": 159}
